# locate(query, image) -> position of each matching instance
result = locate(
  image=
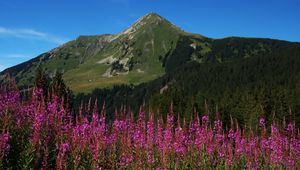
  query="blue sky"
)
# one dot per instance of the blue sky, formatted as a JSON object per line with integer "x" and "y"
{"x": 31, "y": 27}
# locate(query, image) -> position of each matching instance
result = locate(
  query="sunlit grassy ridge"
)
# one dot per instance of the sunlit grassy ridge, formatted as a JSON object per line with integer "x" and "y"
{"x": 154, "y": 38}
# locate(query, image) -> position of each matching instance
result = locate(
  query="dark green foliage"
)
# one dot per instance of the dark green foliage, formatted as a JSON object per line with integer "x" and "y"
{"x": 181, "y": 55}
{"x": 42, "y": 81}
{"x": 53, "y": 86}
{"x": 59, "y": 88}
{"x": 233, "y": 48}
{"x": 244, "y": 88}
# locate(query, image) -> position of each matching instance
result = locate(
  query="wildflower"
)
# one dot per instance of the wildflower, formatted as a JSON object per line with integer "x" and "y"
{"x": 159, "y": 141}
{"x": 217, "y": 126}
{"x": 231, "y": 134}
{"x": 150, "y": 158}
{"x": 126, "y": 160}
{"x": 37, "y": 126}
{"x": 290, "y": 128}
{"x": 61, "y": 160}
{"x": 262, "y": 122}
{"x": 150, "y": 133}
{"x": 180, "y": 141}
{"x": 168, "y": 135}
{"x": 205, "y": 119}
{"x": 4, "y": 146}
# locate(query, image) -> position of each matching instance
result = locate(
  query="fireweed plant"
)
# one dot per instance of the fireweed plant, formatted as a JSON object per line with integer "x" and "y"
{"x": 39, "y": 133}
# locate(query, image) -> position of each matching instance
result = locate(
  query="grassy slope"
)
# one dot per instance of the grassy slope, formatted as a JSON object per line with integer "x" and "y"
{"x": 65, "y": 58}
{"x": 151, "y": 41}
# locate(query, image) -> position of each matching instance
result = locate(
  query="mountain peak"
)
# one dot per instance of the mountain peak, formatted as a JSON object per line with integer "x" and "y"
{"x": 151, "y": 16}
{"x": 149, "y": 19}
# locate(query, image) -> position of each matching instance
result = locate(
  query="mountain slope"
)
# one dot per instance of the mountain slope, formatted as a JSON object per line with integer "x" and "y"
{"x": 263, "y": 85}
{"x": 130, "y": 57}
{"x": 63, "y": 58}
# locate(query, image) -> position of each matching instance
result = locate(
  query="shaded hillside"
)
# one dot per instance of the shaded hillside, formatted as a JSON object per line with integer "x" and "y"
{"x": 243, "y": 88}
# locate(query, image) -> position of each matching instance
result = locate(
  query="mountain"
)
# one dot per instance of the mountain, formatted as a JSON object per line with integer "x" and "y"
{"x": 156, "y": 63}
{"x": 141, "y": 53}
{"x": 130, "y": 57}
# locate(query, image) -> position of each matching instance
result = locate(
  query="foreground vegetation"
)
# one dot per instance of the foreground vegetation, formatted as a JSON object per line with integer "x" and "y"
{"x": 42, "y": 133}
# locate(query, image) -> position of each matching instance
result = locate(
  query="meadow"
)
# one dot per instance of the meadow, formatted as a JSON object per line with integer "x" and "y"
{"x": 42, "y": 133}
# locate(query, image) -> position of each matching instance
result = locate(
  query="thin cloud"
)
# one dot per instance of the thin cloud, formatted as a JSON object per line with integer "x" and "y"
{"x": 16, "y": 56}
{"x": 11, "y": 59}
{"x": 2, "y": 67}
{"x": 31, "y": 34}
